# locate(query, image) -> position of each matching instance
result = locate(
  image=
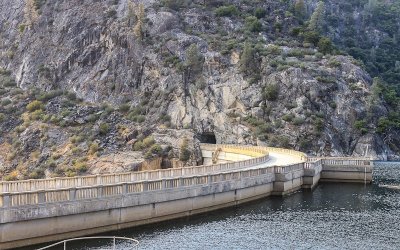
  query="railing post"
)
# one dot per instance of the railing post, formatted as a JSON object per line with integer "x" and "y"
{"x": 98, "y": 179}
{"x": 145, "y": 186}
{"x": 180, "y": 182}
{"x": 124, "y": 188}
{"x": 72, "y": 194}
{"x": 6, "y": 199}
{"x": 99, "y": 191}
{"x": 41, "y": 196}
{"x": 132, "y": 175}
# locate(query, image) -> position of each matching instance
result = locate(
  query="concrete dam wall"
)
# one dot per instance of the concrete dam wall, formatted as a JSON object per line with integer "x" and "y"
{"x": 71, "y": 207}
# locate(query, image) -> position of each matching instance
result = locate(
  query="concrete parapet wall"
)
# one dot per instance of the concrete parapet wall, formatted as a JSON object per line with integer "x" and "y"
{"x": 17, "y": 225}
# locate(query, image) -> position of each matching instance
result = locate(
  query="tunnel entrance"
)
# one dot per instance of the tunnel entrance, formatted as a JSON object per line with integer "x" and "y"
{"x": 207, "y": 137}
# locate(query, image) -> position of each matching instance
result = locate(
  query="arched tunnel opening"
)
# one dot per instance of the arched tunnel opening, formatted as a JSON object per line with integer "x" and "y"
{"x": 207, "y": 137}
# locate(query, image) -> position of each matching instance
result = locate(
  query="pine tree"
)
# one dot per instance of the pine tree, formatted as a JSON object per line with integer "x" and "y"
{"x": 317, "y": 17}
{"x": 184, "y": 152}
{"x": 247, "y": 59}
{"x": 300, "y": 9}
{"x": 194, "y": 60}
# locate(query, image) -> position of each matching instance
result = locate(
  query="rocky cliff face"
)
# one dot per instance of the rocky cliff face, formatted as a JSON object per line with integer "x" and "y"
{"x": 138, "y": 56}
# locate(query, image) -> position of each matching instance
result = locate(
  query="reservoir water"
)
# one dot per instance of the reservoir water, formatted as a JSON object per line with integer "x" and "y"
{"x": 333, "y": 216}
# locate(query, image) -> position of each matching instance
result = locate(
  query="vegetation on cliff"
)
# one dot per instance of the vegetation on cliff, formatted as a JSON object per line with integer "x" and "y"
{"x": 80, "y": 80}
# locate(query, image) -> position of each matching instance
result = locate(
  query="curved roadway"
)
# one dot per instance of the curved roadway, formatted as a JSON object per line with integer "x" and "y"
{"x": 279, "y": 159}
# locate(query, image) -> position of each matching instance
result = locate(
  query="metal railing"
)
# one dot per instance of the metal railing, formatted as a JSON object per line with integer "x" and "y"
{"x": 63, "y": 243}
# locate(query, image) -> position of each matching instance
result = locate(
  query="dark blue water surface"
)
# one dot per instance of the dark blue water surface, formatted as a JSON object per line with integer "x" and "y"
{"x": 333, "y": 216}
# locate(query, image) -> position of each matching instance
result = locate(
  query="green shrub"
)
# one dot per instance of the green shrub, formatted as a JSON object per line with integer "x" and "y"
{"x": 194, "y": 60}
{"x": 70, "y": 173}
{"x": 76, "y": 150}
{"x": 325, "y": 45}
{"x": 93, "y": 117}
{"x": 274, "y": 50}
{"x": 248, "y": 62}
{"x": 138, "y": 146}
{"x": 104, "y": 128}
{"x": 311, "y": 37}
{"x": 93, "y": 148}
{"x": 229, "y": 10}
{"x": 71, "y": 96}
{"x": 148, "y": 141}
{"x": 81, "y": 167}
{"x": 76, "y": 139}
{"x": 35, "y": 105}
{"x": 13, "y": 176}
{"x": 288, "y": 117}
{"x": 124, "y": 108}
{"x": 298, "y": 121}
{"x": 271, "y": 92}
{"x": 319, "y": 124}
{"x": 5, "y": 102}
{"x": 254, "y": 121}
{"x": 361, "y": 125}
{"x": 36, "y": 174}
{"x": 2, "y": 117}
{"x": 184, "y": 152}
{"x": 21, "y": 28}
{"x": 137, "y": 118}
{"x": 326, "y": 79}
{"x": 260, "y": 12}
{"x": 7, "y": 81}
{"x": 156, "y": 149}
{"x": 334, "y": 63}
{"x": 37, "y": 115}
{"x": 253, "y": 24}
{"x": 165, "y": 118}
{"x": 44, "y": 97}
{"x": 305, "y": 143}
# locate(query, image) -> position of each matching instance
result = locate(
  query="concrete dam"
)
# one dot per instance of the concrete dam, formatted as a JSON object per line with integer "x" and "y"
{"x": 37, "y": 211}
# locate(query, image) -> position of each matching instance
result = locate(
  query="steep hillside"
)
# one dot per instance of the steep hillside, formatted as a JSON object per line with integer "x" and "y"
{"x": 82, "y": 81}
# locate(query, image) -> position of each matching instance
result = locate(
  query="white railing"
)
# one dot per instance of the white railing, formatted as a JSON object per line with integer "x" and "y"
{"x": 346, "y": 162}
{"x": 94, "y": 192}
{"x": 313, "y": 163}
{"x": 93, "y": 180}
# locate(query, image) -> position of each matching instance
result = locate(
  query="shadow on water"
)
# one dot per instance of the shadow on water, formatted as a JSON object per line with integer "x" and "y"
{"x": 333, "y": 216}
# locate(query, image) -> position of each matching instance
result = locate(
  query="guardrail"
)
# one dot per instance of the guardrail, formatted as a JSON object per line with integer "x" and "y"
{"x": 134, "y": 243}
{"x": 10, "y": 200}
{"x": 313, "y": 163}
{"x": 346, "y": 162}
{"x": 92, "y": 180}
{"x": 289, "y": 168}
